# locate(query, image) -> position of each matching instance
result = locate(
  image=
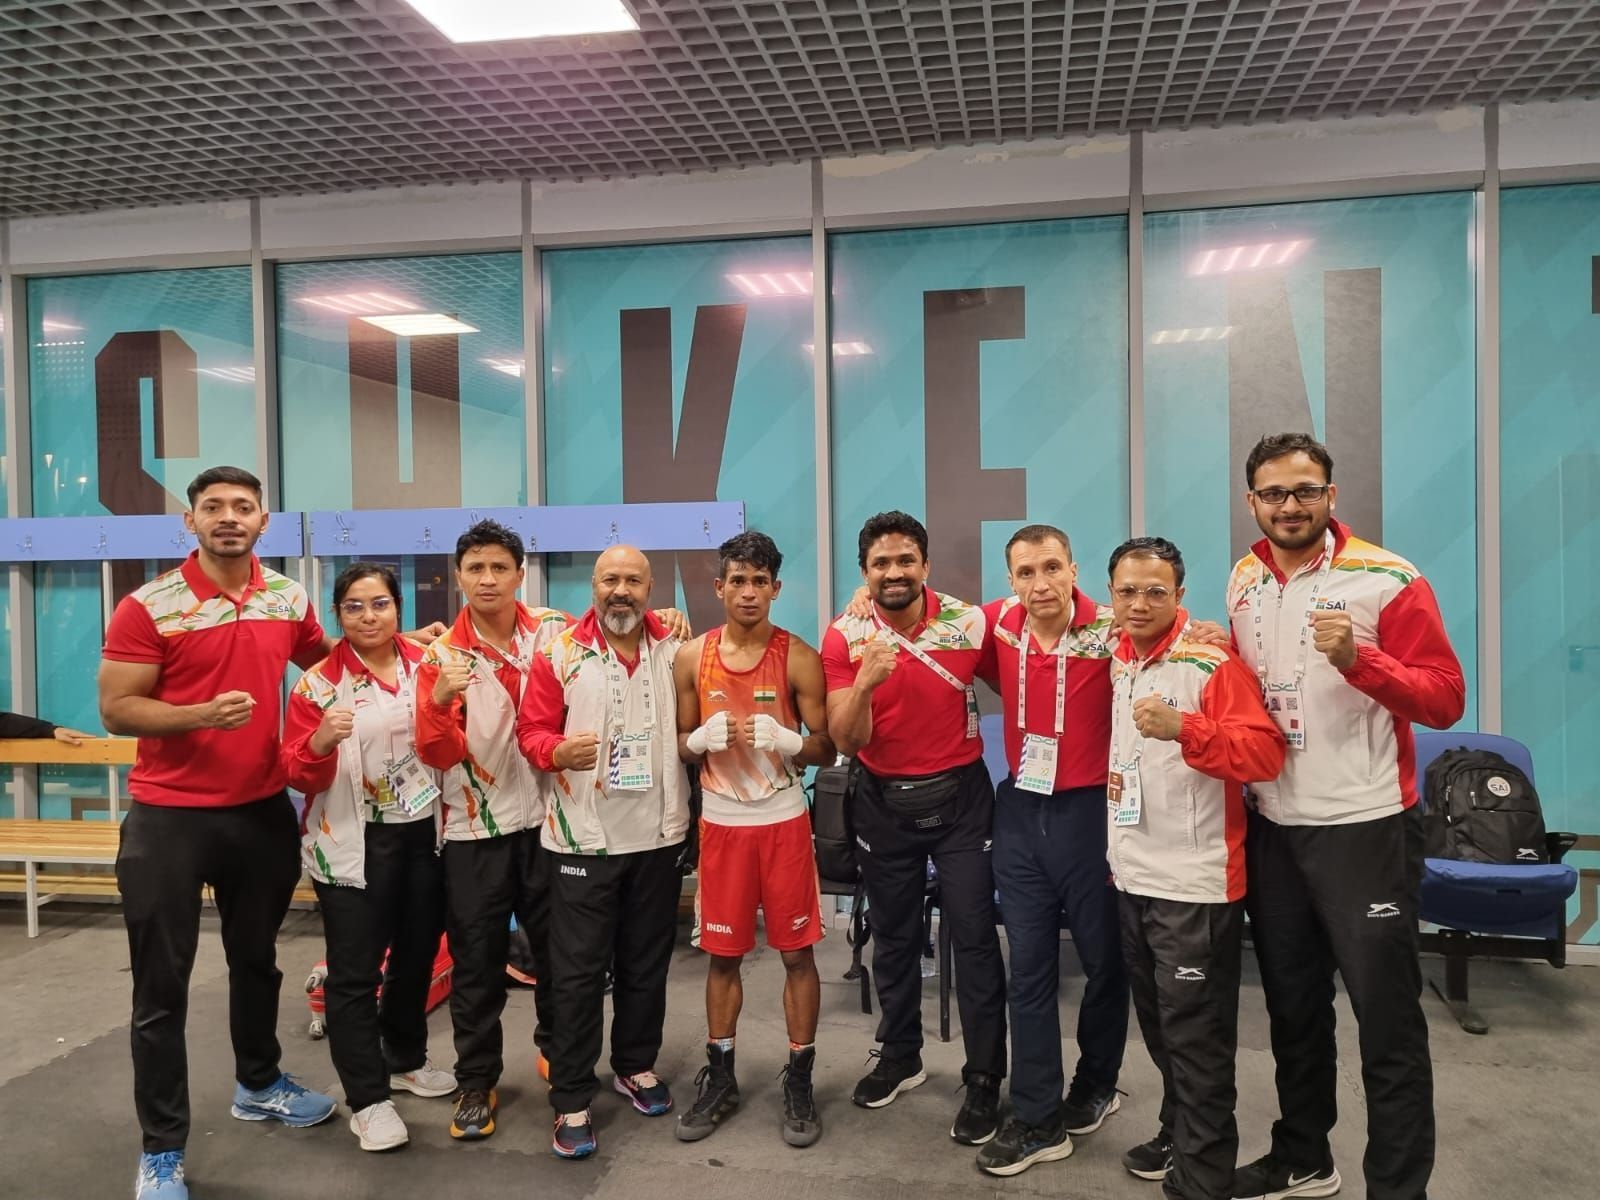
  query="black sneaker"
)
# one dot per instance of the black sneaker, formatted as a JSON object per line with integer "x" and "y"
{"x": 979, "y": 1117}
{"x": 718, "y": 1097}
{"x": 647, "y": 1091}
{"x": 1151, "y": 1160}
{"x": 573, "y": 1136}
{"x": 1020, "y": 1145}
{"x": 888, "y": 1078}
{"x": 1269, "y": 1179}
{"x": 1086, "y": 1109}
{"x": 801, "y": 1123}
{"x": 474, "y": 1114}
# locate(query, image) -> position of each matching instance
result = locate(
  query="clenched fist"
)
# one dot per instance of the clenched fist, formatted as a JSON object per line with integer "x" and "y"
{"x": 713, "y": 737}
{"x": 878, "y": 661}
{"x": 454, "y": 676}
{"x": 1334, "y": 636}
{"x": 579, "y": 752}
{"x": 230, "y": 710}
{"x": 1154, "y": 718}
{"x": 337, "y": 724}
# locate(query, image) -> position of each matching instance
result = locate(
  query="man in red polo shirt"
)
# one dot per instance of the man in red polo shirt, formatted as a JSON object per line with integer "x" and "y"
{"x": 193, "y": 664}
{"x": 900, "y": 701}
{"x": 1052, "y": 669}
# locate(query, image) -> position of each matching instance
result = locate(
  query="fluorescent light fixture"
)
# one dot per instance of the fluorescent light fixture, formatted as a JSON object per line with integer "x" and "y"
{"x": 420, "y": 324}
{"x": 1203, "y": 333}
{"x": 843, "y": 349}
{"x": 507, "y": 366}
{"x": 49, "y": 325}
{"x": 762, "y": 285}
{"x": 1257, "y": 256}
{"x": 503, "y": 20}
{"x": 229, "y": 374}
{"x": 361, "y": 304}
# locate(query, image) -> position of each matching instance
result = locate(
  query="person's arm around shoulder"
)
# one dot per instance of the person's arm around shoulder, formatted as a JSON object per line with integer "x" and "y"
{"x": 686, "y": 682}
{"x": 130, "y": 670}
{"x": 810, "y": 687}
{"x": 1232, "y": 737}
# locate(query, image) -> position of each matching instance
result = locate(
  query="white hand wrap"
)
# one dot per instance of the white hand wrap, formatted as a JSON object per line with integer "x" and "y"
{"x": 770, "y": 735}
{"x": 714, "y": 735}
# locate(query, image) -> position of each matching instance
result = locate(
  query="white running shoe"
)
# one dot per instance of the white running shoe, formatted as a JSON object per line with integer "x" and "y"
{"x": 427, "y": 1080}
{"x": 379, "y": 1127}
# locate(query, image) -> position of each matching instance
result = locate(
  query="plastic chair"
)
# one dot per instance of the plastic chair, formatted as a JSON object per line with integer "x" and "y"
{"x": 1507, "y": 910}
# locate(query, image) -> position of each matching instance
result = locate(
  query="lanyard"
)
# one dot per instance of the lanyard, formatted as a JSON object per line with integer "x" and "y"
{"x": 405, "y": 692}
{"x": 520, "y": 655}
{"x": 1301, "y": 654}
{"x": 617, "y": 686}
{"x": 1122, "y": 707}
{"x": 1060, "y": 653}
{"x": 921, "y": 655}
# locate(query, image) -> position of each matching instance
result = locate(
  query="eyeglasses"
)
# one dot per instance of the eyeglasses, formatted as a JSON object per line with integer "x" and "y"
{"x": 1156, "y": 595}
{"x": 1306, "y": 493}
{"x": 380, "y": 605}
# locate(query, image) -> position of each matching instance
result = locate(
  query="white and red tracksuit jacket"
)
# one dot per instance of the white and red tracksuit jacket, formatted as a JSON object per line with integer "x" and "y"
{"x": 1359, "y": 760}
{"x": 1189, "y": 842}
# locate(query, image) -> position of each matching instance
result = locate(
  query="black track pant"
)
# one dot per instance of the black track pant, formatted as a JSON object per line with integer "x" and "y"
{"x": 894, "y": 860}
{"x": 618, "y": 911}
{"x": 1183, "y": 964}
{"x": 1344, "y": 897}
{"x": 250, "y": 856}
{"x": 487, "y": 881}
{"x": 401, "y": 910}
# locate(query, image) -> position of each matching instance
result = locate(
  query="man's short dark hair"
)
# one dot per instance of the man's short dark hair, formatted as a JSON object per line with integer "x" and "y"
{"x": 212, "y": 476}
{"x": 1276, "y": 445}
{"x": 1149, "y": 547}
{"x": 1034, "y": 534}
{"x": 754, "y": 549}
{"x": 490, "y": 533}
{"x": 894, "y": 521}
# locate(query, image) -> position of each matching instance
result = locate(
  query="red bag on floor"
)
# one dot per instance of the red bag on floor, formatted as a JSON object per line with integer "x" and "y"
{"x": 317, "y": 1000}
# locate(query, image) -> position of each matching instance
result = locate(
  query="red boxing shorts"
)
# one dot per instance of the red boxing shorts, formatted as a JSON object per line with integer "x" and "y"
{"x": 743, "y": 867}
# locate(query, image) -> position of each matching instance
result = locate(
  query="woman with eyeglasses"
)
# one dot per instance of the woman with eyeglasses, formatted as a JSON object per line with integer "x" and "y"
{"x": 370, "y": 837}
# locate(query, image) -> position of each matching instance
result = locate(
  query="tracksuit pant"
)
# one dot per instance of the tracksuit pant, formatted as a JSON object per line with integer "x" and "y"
{"x": 618, "y": 911}
{"x": 1050, "y": 861}
{"x": 249, "y": 854}
{"x": 1183, "y": 965}
{"x": 894, "y": 858}
{"x": 1345, "y": 897}
{"x": 401, "y": 910}
{"x": 487, "y": 880}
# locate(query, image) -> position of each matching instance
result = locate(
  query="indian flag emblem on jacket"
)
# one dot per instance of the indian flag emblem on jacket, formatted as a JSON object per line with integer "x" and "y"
{"x": 766, "y": 695}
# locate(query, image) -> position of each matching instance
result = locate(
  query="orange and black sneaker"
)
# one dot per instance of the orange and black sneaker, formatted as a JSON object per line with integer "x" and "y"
{"x": 474, "y": 1115}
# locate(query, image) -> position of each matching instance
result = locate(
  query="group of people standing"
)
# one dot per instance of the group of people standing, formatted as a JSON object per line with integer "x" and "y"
{"x": 525, "y": 764}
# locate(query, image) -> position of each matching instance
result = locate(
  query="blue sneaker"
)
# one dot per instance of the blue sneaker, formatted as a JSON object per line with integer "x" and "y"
{"x": 574, "y": 1135}
{"x": 283, "y": 1100}
{"x": 161, "y": 1177}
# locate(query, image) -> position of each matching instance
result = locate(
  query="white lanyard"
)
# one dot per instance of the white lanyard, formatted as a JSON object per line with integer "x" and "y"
{"x": 617, "y": 687}
{"x": 1060, "y": 653}
{"x": 405, "y": 692}
{"x": 1122, "y": 707}
{"x": 516, "y": 656}
{"x": 1302, "y": 654}
{"x": 921, "y": 655}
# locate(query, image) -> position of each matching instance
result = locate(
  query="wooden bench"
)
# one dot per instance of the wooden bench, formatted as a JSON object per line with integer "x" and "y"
{"x": 33, "y": 843}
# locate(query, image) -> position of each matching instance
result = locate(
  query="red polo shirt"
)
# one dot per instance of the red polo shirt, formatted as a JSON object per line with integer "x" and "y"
{"x": 919, "y": 721}
{"x": 207, "y": 644}
{"x": 1086, "y": 738}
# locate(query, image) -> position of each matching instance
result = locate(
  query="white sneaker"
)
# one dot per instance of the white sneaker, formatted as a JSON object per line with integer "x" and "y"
{"x": 427, "y": 1080}
{"x": 379, "y": 1127}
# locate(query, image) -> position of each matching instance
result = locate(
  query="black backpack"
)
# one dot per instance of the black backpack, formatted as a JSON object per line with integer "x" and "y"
{"x": 1481, "y": 808}
{"x": 830, "y": 823}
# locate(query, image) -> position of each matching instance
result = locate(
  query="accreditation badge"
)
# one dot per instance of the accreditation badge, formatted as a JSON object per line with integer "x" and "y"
{"x": 630, "y": 763}
{"x": 410, "y": 784}
{"x": 1286, "y": 706}
{"x": 1123, "y": 795}
{"x": 1038, "y": 773}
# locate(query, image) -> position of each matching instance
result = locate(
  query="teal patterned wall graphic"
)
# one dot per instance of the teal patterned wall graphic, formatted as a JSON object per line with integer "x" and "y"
{"x": 634, "y": 330}
{"x": 1550, "y": 508}
{"x": 999, "y": 349}
{"x": 1339, "y": 311}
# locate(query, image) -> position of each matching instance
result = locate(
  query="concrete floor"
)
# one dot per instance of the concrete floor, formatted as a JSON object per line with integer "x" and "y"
{"x": 1516, "y": 1109}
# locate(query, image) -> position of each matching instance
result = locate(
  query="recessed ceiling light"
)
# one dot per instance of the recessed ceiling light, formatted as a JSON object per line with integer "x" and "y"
{"x": 420, "y": 324}
{"x": 503, "y": 20}
{"x": 361, "y": 304}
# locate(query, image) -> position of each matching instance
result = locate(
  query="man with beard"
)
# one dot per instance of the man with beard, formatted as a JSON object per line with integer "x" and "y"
{"x": 1349, "y": 648}
{"x": 600, "y": 715}
{"x": 193, "y": 664}
{"x": 900, "y": 700}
